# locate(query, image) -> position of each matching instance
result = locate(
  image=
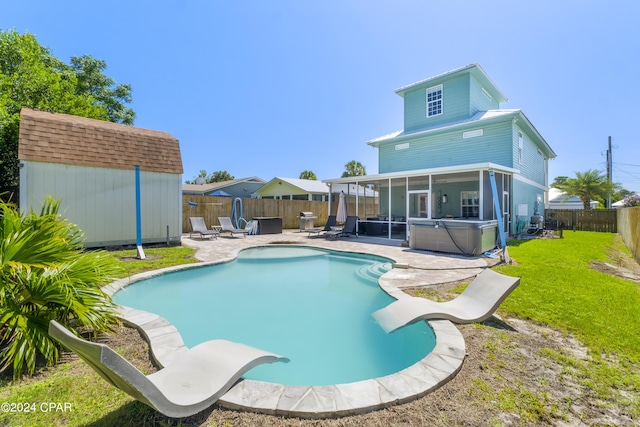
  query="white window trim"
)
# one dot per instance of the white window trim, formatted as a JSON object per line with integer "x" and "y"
{"x": 431, "y": 90}
{"x": 520, "y": 147}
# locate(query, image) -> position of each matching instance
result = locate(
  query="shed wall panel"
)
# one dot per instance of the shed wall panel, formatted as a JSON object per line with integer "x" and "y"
{"x": 102, "y": 201}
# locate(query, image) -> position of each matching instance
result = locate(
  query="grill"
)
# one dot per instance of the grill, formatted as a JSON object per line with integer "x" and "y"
{"x": 306, "y": 220}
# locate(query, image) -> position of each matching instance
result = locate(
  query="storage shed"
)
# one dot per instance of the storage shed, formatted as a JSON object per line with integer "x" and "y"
{"x": 89, "y": 165}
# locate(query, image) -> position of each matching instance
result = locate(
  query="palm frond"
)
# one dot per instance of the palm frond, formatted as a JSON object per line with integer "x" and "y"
{"x": 45, "y": 274}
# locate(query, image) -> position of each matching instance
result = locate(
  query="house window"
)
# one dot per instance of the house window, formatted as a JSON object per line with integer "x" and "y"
{"x": 434, "y": 101}
{"x": 470, "y": 204}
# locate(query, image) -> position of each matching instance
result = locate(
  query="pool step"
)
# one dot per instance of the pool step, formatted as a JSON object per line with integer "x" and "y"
{"x": 373, "y": 271}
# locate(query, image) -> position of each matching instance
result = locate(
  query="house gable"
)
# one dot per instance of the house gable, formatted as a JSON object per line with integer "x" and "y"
{"x": 470, "y": 129}
{"x": 65, "y": 139}
{"x": 462, "y": 93}
{"x": 280, "y": 186}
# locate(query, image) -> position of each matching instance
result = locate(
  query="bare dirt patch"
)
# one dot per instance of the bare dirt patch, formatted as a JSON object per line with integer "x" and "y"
{"x": 622, "y": 264}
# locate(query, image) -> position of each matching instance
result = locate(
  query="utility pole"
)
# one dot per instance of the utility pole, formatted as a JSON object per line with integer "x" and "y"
{"x": 609, "y": 171}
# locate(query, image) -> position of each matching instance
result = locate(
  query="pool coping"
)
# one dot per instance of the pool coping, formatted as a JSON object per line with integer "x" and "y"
{"x": 417, "y": 380}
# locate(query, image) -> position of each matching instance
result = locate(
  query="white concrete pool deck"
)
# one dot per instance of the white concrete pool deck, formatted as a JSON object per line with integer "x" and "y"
{"x": 424, "y": 269}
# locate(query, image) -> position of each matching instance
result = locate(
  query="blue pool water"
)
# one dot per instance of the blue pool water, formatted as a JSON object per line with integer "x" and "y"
{"x": 312, "y": 306}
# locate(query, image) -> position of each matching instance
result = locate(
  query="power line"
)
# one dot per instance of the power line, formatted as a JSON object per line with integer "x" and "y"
{"x": 627, "y": 164}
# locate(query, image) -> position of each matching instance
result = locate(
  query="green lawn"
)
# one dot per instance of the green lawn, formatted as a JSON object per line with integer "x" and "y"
{"x": 156, "y": 258}
{"x": 561, "y": 290}
{"x": 558, "y": 289}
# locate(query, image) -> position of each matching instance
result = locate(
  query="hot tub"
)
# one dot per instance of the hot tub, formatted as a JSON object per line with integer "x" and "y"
{"x": 458, "y": 236}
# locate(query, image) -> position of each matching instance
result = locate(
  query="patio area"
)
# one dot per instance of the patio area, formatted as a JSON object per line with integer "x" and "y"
{"x": 425, "y": 268}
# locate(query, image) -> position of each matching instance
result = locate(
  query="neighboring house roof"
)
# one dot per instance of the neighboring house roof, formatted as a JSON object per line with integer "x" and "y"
{"x": 570, "y": 201}
{"x": 306, "y": 185}
{"x": 480, "y": 118}
{"x": 352, "y": 189}
{"x": 320, "y": 187}
{"x": 475, "y": 70}
{"x": 554, "y": 193}
{"x": 209, "y": 188}
{"x": 65, "y": 139}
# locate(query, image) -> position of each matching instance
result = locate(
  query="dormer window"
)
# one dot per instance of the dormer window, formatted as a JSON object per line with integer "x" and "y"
{"x": 434, "y": 101}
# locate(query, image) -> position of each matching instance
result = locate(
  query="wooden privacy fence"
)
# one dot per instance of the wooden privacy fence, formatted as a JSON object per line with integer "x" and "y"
{"x": 629, "y": 229}
{"x": 210, "y": 208}
{"x": 603, "y": 220}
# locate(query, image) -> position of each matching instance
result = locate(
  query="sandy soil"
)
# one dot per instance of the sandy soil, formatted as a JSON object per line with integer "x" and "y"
{"x": 503, "y": 357}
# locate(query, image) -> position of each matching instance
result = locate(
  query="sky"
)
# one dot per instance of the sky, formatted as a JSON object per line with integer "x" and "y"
{"x": 273, "y": 88}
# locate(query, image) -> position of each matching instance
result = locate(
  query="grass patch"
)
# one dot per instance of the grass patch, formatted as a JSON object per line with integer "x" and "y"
{"x": 559, "y": 289}
{"x": 156, "y": 258}
{"x": 87, "y": 396}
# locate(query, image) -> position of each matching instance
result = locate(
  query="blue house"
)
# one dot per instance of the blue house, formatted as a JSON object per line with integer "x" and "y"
{"x": 439, "y": 164}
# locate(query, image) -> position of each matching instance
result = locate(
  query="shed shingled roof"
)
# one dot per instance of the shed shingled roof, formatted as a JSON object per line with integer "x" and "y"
{"x": 61, "y": 138}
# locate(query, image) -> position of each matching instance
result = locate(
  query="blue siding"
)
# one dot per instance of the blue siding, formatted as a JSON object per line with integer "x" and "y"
{"x": 525, "y": 194}
{"x": 532, "y": 165}
{"x": 450, "y": 149}
{"x": 455, "y": 99}
{"x": 479, "y": 101}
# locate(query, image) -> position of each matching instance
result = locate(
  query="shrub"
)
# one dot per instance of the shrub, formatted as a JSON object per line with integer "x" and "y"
{"x": 633, "y": 200}
{"x": 45, "y": 274}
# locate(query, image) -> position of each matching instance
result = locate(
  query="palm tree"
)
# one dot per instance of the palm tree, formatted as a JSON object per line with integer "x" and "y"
{"x": 353, "y": 168}
{"x": 307, "y": 174}
{"x": 588, "y": 185}
{"x": 44, "y": 275}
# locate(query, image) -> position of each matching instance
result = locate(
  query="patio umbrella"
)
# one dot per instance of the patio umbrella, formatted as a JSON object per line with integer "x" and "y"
{"x": 341, "y": 215}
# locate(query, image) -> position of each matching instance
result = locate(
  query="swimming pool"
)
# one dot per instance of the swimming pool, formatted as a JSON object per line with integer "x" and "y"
{"x": 311, "y": 305}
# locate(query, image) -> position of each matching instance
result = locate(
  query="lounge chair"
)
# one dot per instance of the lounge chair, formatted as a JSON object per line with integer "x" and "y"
{"x": 349, "y": 228}
{"x": 227, "y": 226}
{"x": 478, "y": 302}
{"x": 331, "y": 222}
{"x": 193, "y": 382}
{"x": 198, "y": 226}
